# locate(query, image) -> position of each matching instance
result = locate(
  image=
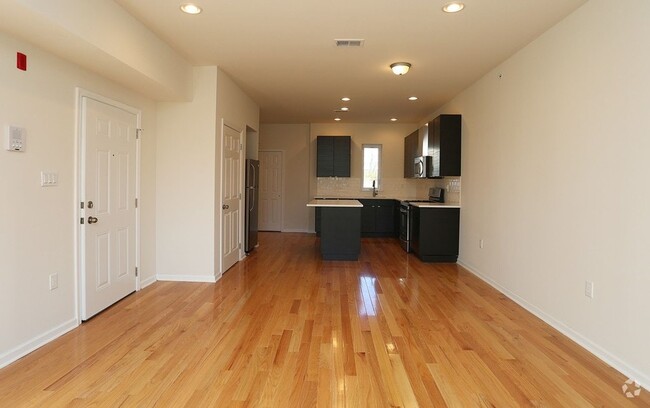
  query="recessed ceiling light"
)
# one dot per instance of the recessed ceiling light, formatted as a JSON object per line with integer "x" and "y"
{"x": 393, "y": 119}
{"x": 400, "y": 68}
{"x": 453, "y": 7}
{"x": 413, "y": 98}
{"x": 190, "y": 8}
{"x": 345, "y": 109}
{"x": 345, "y": 99}
{"x": 337, "y": 119}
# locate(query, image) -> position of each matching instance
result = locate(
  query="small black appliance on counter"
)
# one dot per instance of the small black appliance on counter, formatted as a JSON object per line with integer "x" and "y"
{"x": 437, "y": 195}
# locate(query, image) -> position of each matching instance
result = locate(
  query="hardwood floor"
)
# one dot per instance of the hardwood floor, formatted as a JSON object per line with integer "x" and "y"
{"x": 285, "y": 329}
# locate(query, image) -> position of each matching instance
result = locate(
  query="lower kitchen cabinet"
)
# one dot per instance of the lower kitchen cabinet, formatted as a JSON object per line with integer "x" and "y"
{"x": 340, "y": 233}
{"x": 435, "y": 233}
{"x": 379, "y": 217}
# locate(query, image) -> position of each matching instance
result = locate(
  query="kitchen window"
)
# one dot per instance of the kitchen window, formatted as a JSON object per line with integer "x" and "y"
{"x": 371, "y": 166}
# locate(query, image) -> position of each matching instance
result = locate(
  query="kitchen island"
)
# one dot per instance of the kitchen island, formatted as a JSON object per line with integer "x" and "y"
{"x": 340, "y": 229}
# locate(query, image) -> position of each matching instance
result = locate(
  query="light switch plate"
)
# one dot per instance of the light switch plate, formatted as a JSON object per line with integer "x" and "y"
{"x": 49, "y": 179}
{"x": 15, "y": 138}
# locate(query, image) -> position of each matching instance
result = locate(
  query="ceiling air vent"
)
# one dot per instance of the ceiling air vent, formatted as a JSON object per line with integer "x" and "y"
{"x": 350, "y": 42}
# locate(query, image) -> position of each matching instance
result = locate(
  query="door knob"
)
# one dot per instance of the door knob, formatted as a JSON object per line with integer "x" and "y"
{"x": 225, "y": 206}
{"x": 92, "y": 220}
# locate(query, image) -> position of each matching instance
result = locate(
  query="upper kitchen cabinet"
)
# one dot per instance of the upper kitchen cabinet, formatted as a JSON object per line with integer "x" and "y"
{"x": 445, "y": 144}
{"x": 411, "y": 143}
{"x": 333, "y": 156}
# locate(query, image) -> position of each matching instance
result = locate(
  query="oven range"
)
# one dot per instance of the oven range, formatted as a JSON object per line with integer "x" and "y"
{"x": 436, "y": 195}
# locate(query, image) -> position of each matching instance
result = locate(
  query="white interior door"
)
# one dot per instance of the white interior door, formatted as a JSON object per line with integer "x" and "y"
{"x": 270, "y": 191}
{"x": 232, "y": 185}
{"x": 108, "y": 184}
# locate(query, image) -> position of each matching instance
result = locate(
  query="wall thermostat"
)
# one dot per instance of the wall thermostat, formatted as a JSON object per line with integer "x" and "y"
{"x": 15, "y": 139}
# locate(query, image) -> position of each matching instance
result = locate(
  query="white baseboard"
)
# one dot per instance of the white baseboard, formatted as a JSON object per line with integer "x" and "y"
{"x": 38, "y": 341}
{"x": 295, "y": 230}
{"x": 641, "y": 378}
{"x": 146, "y": 282}
{"x": 187, "y": 278}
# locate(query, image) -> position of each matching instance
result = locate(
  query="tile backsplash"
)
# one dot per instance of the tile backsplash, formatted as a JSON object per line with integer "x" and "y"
{"x": 350, "y": 187}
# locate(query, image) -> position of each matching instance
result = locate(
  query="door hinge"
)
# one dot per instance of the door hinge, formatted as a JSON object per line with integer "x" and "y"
{"x": 136, "y": 203}
{"x": 82, "y": 205}
{"x": 241, "y": 146}
{"x": 138, "y": 133}
{"x": 81, "y": 221}
{"x": 239, "y": 245}
{"x": 136, "y": 271}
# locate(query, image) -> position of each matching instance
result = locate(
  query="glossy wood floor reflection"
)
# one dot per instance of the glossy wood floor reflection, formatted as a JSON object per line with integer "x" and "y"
{"x": 285, "y": 329}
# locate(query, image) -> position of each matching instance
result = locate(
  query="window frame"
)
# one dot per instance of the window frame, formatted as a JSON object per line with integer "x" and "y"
{"x": 363, "y": 165}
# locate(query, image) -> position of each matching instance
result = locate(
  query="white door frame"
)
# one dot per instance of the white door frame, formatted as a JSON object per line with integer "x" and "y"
{"x": 242, "y": 169}
{"x": 282, "y": 187}
{"x": 79, "y": 237}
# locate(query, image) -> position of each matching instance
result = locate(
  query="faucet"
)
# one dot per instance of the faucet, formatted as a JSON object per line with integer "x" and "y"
{"x": 374, "y": 189}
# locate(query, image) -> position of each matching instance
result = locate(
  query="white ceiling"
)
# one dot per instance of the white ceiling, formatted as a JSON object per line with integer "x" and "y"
{"x": 282, "y": 53}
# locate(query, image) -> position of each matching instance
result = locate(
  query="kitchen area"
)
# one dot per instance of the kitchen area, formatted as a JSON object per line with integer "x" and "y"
{"x": 421, "y": 210}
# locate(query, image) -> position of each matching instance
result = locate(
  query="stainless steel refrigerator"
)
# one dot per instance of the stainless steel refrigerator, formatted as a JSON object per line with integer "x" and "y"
{"x": 252, "y": 203}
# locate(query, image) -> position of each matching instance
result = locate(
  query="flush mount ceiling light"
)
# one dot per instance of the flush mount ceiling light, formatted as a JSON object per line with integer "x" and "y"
{"x": 337, "y": 119}
{"x": 345, "y": 99}
{"x": 393, "y": 119}
{"x": 345, "y": 109}
{"x": 190, "y": 8}
{"x": 453, "y": 7}
{"x": 413, "y": 98}
{"x": 400, "y": 68}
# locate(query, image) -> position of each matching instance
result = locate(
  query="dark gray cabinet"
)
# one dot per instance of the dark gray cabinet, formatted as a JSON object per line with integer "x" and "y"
{"x": 333, "y": 156}
{"x": 379, "y": 217}
{"x": 340, "y": 233}
{"x": 445, "y": 145}
{"x": 410, "y": 153}
{"x": 435, "y": 233}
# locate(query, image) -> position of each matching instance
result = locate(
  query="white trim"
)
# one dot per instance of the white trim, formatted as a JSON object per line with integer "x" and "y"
{"x": 146, "y": 282}
{"x": 305, "y": 231}
{"x": 79, "y": 181}
{"x": 188, "y": 278}
{"x": 37, "y": 342}
{"x": 604, "y": 355}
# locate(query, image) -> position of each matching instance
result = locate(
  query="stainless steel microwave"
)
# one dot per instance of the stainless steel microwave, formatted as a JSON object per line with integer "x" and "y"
{"x": 423, "y": 167}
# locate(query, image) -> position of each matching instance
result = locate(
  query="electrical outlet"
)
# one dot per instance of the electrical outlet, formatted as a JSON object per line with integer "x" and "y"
{"x": 54, "y": 281}
{"x": 589, "y": 289}
{"x": 480, "y": 243}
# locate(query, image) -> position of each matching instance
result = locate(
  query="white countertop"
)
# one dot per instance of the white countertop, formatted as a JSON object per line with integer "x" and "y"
{"x": 359, "y": 197}
{"x": 436, "y": 205}
{"x": 334, "y": 203}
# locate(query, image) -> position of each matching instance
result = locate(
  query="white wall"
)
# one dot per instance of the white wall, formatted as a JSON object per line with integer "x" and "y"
{"x": 555, "y": 179}
{"x": 185, "y": 182}
{"x": 189, "y": 174}
{"x": 104, "y": 38}
{"x": 294, "y": 142}
{"x": 390, "y": 136}
{"x": 37, "y": 225}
